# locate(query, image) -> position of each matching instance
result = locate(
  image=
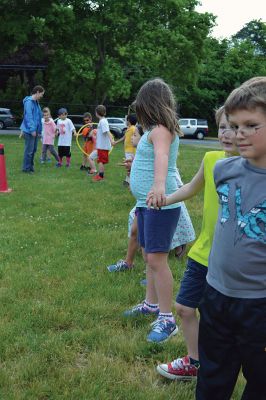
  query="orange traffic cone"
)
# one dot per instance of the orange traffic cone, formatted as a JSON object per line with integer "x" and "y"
{"x": 3, "y": 182}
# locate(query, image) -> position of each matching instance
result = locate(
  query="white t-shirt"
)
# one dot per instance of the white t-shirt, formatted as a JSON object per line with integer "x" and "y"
{"x": 102, "y": 140}
{"x": 65, "y": 127}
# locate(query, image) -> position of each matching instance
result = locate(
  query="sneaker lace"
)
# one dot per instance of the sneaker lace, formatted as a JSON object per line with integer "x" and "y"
{"x": 178, "y": 363}
{"x": 159, "y": 325}
{"x": 120, "y": 264}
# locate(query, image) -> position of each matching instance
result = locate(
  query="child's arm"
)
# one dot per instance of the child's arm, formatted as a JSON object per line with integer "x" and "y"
{"x": 185, "y": 192}
{"x": 111, "y": 138}
{"x": 161, "y": 139}
{"x": 122, "y": 139}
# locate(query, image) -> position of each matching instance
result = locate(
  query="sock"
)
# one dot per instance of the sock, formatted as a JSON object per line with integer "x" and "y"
{"x": 68, "y": 160}
{"x": 194, "y": 362}
{"x": 168, "y": 316}
{"x": 60, "y": 160}
{"x": 150, "y": 306}
{"x": 101, "y": 174}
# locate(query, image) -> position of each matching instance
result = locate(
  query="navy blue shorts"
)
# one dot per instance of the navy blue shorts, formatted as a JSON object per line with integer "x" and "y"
{"x": 192, "y": 285}
{"x": 156, "y": 228}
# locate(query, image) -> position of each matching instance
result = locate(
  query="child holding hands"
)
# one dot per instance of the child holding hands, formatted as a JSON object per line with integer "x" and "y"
{"x": 154, "y": 166}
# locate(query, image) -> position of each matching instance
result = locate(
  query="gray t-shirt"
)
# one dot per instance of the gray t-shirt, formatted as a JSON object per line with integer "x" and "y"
{"x": 237, "y": 262}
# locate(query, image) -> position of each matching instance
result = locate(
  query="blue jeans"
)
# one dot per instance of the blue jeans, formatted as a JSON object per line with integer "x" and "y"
{"x": 30, "y": 149}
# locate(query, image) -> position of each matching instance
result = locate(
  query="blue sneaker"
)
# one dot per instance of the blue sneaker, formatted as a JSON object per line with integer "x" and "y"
{"x": 140, "y": 309}
{"x": 143, "y": 282}
{"x": 162, "y": 330}
{"x": 121, "y": 265}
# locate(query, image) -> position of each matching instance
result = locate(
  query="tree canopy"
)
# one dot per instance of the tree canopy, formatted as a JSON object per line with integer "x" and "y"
{"x": 102, "y": 51}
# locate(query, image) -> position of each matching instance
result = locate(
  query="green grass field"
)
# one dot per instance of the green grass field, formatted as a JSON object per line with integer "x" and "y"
{"x": 62, "y": 334}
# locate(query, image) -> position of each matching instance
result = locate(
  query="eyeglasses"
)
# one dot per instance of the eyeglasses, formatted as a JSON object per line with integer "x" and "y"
{"x": 226, "y": 130}
{"x": 248, "y": 131}
{"x": 87, "y": 120}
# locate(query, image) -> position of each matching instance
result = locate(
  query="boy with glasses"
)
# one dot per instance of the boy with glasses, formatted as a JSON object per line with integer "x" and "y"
{"x": 232, "y": 330}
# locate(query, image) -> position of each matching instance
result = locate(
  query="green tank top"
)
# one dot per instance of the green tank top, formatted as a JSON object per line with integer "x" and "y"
{"x": 201, "y": 249}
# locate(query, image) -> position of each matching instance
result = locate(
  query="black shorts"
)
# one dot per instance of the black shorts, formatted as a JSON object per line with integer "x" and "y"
{"x": 64, "y": 151}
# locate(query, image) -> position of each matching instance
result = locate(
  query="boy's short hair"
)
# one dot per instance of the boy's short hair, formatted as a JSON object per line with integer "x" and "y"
{"x": 248, "y": 96}
{"x": 87, "y": 115}
{"x": 36, "y": 89}
{"x": 100, "y": 110}
{"x": 62, "y": 111}
{"x": 218, "y": 115}
{"x": 132, "y": 119}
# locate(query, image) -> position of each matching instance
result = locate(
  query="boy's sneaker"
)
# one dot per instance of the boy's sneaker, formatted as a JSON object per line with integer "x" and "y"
{"x": 121, "y": 265}
{"x": 180, "y": 369}
{"x": 162, "y": 330}
{"x": 92, "y": 172}
{"x": 82, "y": 167}
{"x": 140, "y": 309}
{"x": 49, "y": 160}
{"x": 58, "y": 165}
{"x": 97, "y": 178}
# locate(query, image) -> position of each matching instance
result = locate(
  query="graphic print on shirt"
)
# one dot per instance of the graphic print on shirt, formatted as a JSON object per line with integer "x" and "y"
{"x": 253, "y": 223}
{"x": 62, "y": 129}
{"x": 223, "y": 191}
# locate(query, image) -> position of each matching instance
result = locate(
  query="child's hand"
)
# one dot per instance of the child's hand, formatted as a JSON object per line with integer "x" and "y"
{"x": 156, "y": 197}
{"x": 128, "y": 164}
{"x": 75, "y": 133}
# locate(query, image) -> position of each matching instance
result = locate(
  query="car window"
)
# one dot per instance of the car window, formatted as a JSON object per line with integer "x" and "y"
{"x": 183, "y": 122}
{"x": 118, "y": 121}
{"x": 193, "y": 122}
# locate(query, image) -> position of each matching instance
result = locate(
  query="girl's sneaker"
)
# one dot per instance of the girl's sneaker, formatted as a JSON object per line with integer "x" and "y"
{"x": 162, "y": 330}
{"x": 179, "y": 369}
{"x": 141, "y": 309}
{"x": 121, "y": 265}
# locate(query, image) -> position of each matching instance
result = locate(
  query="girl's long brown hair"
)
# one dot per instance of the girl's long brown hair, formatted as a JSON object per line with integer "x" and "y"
{"x": 155, "y": 104}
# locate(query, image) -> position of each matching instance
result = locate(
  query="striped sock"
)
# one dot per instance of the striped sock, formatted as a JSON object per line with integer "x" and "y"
{"x": 168, "y": 316}
{"x": 150, "y": 306}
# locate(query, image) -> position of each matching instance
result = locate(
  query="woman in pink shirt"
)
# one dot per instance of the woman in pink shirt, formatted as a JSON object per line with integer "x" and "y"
{"x": 48, "y": 135}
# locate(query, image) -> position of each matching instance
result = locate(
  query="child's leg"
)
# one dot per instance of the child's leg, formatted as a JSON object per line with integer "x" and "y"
{"x": 161, "y": 279}
{"x": 44, "y": 152}
{"x": 251, "y": 346}
{"x": 68, "y": 156}
{"x": 101, "y": 169}
{"x": 53, "y": 152}
{"x": 132, "y": 243}
{"x": 218, "y": 353}
{"x": 187, "y": 301}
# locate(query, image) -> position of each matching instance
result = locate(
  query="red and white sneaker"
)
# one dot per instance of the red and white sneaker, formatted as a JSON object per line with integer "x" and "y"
{"x": 179, "y": 369}
{"x": 97, "y": 178}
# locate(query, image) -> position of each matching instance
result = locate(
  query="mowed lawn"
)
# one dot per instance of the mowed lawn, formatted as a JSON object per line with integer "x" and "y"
{"x": 62, "y": 333}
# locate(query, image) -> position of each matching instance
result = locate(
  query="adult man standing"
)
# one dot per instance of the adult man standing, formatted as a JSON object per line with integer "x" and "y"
{"x": 31, "y": 127}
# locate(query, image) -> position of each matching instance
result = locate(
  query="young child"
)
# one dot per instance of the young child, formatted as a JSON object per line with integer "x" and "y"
{"x": 154, "y": 166}
{"x": 184, "y": 230}
{"x": 48, "y": 135}
{"x": 130, "y": 150}
{"x": 103, "y": 142}
{"x": 88, "y": 146}
{"x": 194, "y": 280}
{"x": 65, "y": 129}
{"x": 232, "y": 331}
